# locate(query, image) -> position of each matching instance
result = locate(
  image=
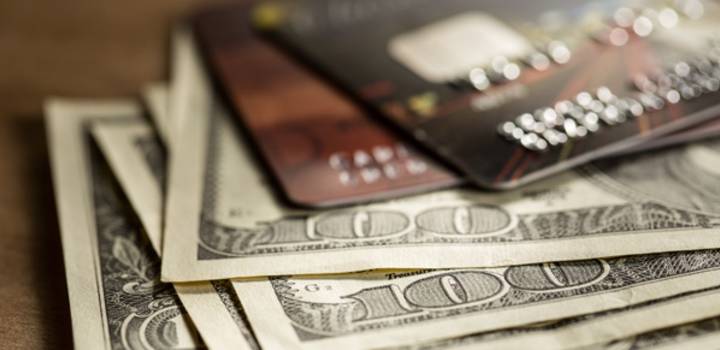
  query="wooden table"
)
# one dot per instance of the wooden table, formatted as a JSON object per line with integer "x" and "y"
{"x": 78, "y": 48}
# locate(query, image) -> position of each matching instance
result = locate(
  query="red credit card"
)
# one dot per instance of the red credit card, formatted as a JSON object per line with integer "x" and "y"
{"x": 322, "y": 148}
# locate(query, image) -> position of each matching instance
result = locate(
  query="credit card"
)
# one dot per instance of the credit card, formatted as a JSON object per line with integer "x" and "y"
{"x": 322, "y": 149}
{"x": 509, "y": 92}
{"x": 332, "y": 153}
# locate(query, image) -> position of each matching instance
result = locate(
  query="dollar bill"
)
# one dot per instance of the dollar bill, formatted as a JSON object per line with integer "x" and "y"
{"x": 129, "y": 146}
{"x": 379, "y": 308}
{"x": 138, "y": 159}
{"x": 226, "y": 221}
{"x": 155, "y": 97}
{"x": 704, "y": 334}
{"x": 117, "y": 298}
{"x": 618, "y": 326}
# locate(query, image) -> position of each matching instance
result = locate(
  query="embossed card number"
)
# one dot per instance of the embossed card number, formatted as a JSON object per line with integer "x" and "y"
{"x": 382, "y": 163}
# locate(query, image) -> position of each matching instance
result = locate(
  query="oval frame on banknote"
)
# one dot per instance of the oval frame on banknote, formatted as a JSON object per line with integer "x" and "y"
{"x": 605, "y": 271}
{"x": 512, "y": 221}
{"x": 312, "y": 222}
{"x": 504, "y": 287}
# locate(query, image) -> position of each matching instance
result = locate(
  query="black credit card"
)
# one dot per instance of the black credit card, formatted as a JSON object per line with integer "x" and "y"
{"x": 512, "y": 91}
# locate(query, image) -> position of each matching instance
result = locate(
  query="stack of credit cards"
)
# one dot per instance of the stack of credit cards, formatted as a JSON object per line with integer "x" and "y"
{"x": 358, "y": 100}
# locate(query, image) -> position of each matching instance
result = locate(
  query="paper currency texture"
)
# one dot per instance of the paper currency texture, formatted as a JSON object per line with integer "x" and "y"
{"x": 391, "y": 308}
{"x": 138, "y": 159}
{"x": 116, "y": 297}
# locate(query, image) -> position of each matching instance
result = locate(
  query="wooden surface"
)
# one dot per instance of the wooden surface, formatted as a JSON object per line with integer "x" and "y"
{"x": 77, "y": 48}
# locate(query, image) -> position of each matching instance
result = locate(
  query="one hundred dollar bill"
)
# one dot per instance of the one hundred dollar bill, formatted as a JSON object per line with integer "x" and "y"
{"x": 379, "y": 308}
{"x": 155, "y": 96}
{"x": 116, "y": 296}
{"x": 132, "y": 151}
{"x": 226, "y": 221}
{"x": 136, "y": 156}
{"x": 602, "y": 330}
{"x": 704, "y": 334}
{"x": 116, "y": 299}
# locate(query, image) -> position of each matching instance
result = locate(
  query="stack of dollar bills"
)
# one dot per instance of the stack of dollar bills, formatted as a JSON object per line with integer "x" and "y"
{"x": 174, "y": 239}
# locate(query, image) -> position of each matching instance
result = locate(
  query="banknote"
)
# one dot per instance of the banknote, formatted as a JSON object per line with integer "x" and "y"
{"x": 389, "y": 308}
{"x": 704, "y": 334}
{"x": 117, "y": 299}
{"x": 136, "y": 156}
{"x": 129, "y": 146}
{"x": 225, "y": 219}
{"x": 594, "y": 331}
{"x": 155, "y": 97}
